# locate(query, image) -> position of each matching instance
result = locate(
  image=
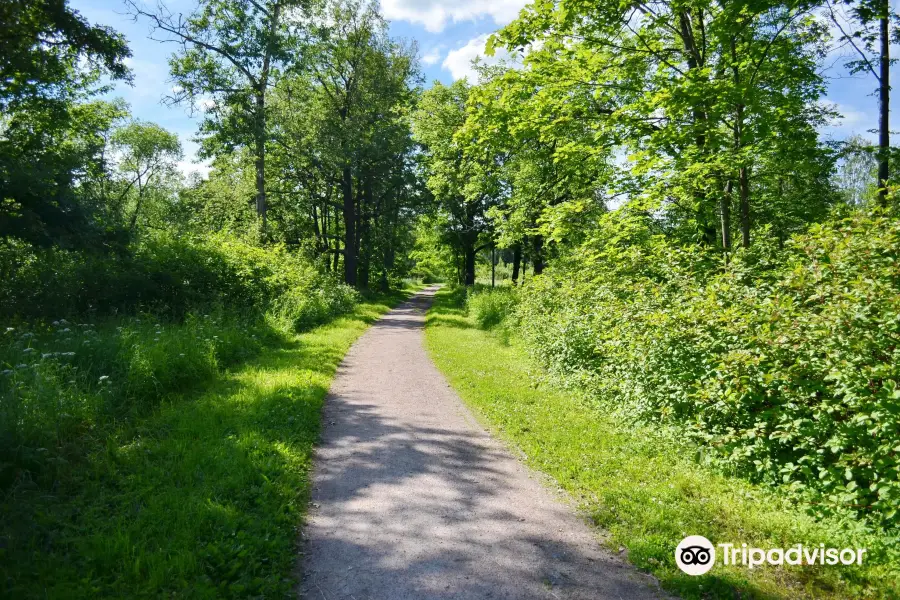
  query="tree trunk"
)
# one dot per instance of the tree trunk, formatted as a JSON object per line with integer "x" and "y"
{"x": 743, "y": 175}
{"x": 470, "y": 264}
{"x": 350, "y": 246}
{"x": 538, "y": 259}
{"x": 137, "y": 207}
{"x": 744, "y": 185}
{"x": 493, "y": 266}
{"x": 260, "y": 134}
{"x": 884, "y": 95}
{"x": 517, "y": 262}
{"x": 704, "y": 212}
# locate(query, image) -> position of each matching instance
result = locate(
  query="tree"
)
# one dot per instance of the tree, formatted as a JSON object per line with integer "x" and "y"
{"x": 868, "y": 32}
{"x": 693, "y": 95}
{"x": 343, "y": 140}
{"x": 463, "y": 187}
{"x": 147, "y": 153}
{"x": 231, "y": 53}
{"x": 46, "y": 47}
{"x": 857, "y": 172}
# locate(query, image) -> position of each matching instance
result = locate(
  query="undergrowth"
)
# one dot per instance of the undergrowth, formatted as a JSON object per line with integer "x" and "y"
{"x": 643, "y": 486}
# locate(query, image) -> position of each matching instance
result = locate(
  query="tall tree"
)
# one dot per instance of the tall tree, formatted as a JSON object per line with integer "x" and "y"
{"x": 343, "y": 137}
{"x": 231, "y": 53}
{"x": 690, "y": 95}
{"x": 146, "y": 153}
{"x": 869, "y": 32}
{"x": 463, "y": 186}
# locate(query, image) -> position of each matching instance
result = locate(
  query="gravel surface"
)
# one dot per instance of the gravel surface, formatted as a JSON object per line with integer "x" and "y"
{"x": 412, "y": 498}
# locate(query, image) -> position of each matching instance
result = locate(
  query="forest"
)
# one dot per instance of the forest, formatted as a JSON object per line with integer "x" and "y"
{"x": 634, "y": 199}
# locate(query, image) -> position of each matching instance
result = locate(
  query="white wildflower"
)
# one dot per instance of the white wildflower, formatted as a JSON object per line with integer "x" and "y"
{"x": 104, "y": 378}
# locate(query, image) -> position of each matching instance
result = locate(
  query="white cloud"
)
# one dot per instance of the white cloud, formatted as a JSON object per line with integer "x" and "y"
{"x": 149, "y": 79}
{"x": 432, "y": 57}
{"x": 191, "y": 164}
{"x": 188, "y": 167}
{"x": 851, "y": 121}
{"x": 436, "y": 14}
{"x": 459, "y": 61}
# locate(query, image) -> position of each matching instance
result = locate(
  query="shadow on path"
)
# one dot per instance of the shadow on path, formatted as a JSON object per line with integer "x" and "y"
{"x": 412, "y": 499}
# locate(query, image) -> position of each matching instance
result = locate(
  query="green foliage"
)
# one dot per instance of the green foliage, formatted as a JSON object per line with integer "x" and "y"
{"x": 491, "y": 307}
{"x": 196, "y": 490}
{"x": 42, "y": 46}
{"x": 170, "y": 276}
{"x": 645, "y": 488}
{"x": 781, "y": 365}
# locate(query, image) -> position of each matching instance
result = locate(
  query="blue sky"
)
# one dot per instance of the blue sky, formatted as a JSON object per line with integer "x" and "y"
{"x": 449, "y": 33}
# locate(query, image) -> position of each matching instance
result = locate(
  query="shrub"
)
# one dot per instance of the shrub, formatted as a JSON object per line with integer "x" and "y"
{"x": 782, "y": 365}
{"x": 111, "y": 334}
{"x": 491, "y": 306}
{"x": 169, "y": 277}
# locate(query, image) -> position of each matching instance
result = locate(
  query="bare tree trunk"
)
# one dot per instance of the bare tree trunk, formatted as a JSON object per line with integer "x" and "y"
{"x": 261, "y": 207}
{"x": 137, "y": 207}
{"x": 517, "y": 263}
{"x": 493, "y": 266}
{"x": 884, "y": 96}
{"x": 470, "y": 264}
{"x": 349, "y": 227}
{"x": 745, "y": 206}
{"x": 538, "y": 260}
{"x": 743, "y": 175}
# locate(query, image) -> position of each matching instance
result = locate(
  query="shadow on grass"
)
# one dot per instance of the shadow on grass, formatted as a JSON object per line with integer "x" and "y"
{"x": 202, "y": 497}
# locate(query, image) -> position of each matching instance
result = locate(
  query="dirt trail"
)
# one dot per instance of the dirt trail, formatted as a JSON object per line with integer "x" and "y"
{"x": 412, "y": 499}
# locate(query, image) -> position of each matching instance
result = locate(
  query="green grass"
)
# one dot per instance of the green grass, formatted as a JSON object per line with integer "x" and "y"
{"x": 643, "y": 491}
{"x": 198, "y": 497}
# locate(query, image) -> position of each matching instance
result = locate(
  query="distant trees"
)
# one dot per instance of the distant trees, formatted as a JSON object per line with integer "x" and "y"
{"x": 147, "y": 154}
{"x": 460, "y": 184}
{"x": 343, "y": 151}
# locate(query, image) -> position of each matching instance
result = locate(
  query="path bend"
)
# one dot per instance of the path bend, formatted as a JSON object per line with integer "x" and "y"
{"x": 413, "y": 499}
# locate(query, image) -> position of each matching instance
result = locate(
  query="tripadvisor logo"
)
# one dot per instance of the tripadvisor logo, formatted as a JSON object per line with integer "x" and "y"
{"x": 696, "y": 555}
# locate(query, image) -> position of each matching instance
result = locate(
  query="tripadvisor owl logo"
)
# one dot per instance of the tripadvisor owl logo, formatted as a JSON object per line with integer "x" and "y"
{"x": 695, "y": 555}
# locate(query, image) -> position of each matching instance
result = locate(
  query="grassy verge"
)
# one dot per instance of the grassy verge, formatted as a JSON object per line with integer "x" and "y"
{"x": 644, "y": 492}
{"x": 198, "y": 497}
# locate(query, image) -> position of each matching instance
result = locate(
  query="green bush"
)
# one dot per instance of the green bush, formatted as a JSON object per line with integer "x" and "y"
{"x": 93, "y": 338}
{"x": 783, "y": 365}
{"x": 491, "y": 306}
{"x": 171, "y": 277}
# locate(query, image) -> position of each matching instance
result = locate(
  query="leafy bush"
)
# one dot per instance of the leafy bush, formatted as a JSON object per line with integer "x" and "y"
{"x": 111, "y": 334}
{"x": 491, "y": 306}
{"x": 783, "y": 365}
{"x": 169, "y": 277}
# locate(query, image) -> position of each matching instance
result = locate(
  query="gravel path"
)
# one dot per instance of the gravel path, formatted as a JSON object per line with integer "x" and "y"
{"x": 412, "y": 499}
